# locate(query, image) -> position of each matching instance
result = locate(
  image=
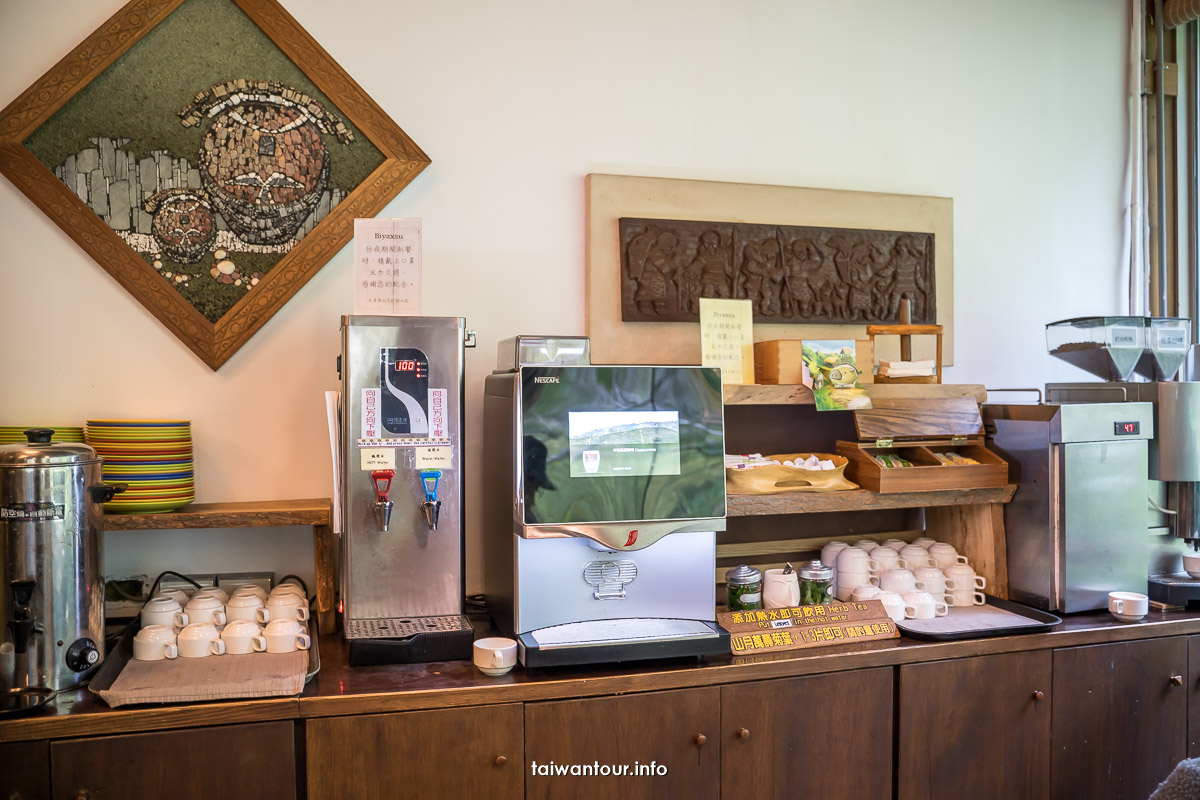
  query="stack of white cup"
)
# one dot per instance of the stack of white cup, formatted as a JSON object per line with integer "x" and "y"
{"x": 215, "y": 623}
{"x": 852, "y": 571}
{"x": 895, "y": 569}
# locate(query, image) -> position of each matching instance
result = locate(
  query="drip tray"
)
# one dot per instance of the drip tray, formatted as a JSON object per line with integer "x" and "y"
{"x": 408, "y": 640}
{"x": 1178, "y": 589}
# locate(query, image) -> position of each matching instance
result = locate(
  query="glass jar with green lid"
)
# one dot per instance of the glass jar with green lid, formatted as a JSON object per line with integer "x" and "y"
{"x": 816, "y": 584}
{"x": 743, "y": 588}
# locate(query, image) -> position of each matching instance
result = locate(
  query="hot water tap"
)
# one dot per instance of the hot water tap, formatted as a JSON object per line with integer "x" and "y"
{"x": 382, "y": 479}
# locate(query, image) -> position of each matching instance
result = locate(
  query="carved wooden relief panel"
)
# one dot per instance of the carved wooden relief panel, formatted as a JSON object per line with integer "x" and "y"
{"x": 792, "y": 274}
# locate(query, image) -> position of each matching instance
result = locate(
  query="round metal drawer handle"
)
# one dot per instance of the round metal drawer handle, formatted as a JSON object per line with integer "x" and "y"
{"x": 1038, "y": 694}
{"x": 1177, "y": 680}
{"x": 701, "y": 739}
{"x": 743, "y": 733}
{"x": 501, "y": 761}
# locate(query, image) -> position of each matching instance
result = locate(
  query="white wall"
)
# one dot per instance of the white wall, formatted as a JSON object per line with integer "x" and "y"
{"x": 1015, "y": 110}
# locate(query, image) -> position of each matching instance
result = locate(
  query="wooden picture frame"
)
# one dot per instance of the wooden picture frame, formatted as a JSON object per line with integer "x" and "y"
{"x": 213, "y": 341}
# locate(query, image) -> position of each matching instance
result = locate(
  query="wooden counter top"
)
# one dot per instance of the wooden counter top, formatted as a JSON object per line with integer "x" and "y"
{"x": 339, "y": 689}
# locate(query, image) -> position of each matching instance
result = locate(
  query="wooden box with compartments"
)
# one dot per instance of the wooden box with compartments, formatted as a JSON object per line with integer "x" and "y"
{"x": 926, "y": 444}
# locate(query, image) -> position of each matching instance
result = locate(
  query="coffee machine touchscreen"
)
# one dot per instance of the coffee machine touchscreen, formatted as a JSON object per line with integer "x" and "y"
{"x": 608, "y": 444}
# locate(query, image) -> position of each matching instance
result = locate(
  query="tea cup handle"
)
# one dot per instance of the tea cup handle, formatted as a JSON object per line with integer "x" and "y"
{"x": 258, "y": 644}
{"x": 951, "y": 584}
{"x": 262, "y": 616}
{"x": 219, "y": 618}
{"x": 170, "y": 651}
{"x": 961, "y": 559}
{"x": 302, "y": 641}
{"x": 182, "y": 619}
{"x": 941, "y": 609}
{"x": 910, "y": 611}
{"x": 218, "y": 647}
{"x": 302, "y": 612}
{"x": 980, "y": 582}
{"x": 1120, "y": 605}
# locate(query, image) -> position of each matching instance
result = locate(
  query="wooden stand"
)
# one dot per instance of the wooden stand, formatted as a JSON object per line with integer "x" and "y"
{"x": 905, "y": 330}
{"x": 272, "y": 514}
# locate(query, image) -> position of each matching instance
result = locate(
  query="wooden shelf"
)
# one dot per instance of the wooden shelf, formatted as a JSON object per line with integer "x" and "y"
{"x": 315, "y": 513}
{"x": 755, "y": 505}
{"x": 758, "y": 394}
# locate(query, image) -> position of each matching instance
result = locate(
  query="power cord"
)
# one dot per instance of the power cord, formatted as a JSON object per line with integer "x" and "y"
{"x": 136, "y": 617}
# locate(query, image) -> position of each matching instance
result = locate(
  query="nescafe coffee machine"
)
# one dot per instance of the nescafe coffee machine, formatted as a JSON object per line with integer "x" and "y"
{"x": 603, "y": 489}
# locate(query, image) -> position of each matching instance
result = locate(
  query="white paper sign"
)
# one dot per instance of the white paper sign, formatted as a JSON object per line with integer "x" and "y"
{"x": 387, "y": 266}
{"x": 437, "y": 414}
{"x": 370, "y": 413}
{"x": 433, "y": 458}
{"x": 382, "y": 458}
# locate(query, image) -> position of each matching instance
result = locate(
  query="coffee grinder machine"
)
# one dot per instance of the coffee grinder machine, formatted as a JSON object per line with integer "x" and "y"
{"x": 603, "y": 490}
{"x": 401, "y": 448}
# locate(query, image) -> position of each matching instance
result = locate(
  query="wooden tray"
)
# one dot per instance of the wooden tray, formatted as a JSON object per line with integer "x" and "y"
{"x": 777, "y": 479}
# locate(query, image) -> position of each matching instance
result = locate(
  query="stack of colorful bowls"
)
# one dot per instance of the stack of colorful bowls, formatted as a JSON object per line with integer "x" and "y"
{"x": 15, "y": 434}
{"x": 153, "y": 457}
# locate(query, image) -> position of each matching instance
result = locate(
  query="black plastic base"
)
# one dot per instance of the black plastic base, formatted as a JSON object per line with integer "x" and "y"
{"x": 532, "y": 656}
{"x": 1175, "y": 590}
{"x": 419, "y": 648}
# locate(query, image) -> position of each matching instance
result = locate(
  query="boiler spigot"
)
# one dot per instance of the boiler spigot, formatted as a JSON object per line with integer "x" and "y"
{"x": 382, "y": 478}
{"x": 432, "y": 506}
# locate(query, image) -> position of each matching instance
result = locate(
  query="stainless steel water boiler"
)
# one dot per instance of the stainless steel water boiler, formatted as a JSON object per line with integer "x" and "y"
{"x": 52, "y": 590}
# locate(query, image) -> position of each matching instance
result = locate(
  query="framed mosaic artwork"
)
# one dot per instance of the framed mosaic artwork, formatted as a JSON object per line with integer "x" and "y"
{"x": 209, "y": 155}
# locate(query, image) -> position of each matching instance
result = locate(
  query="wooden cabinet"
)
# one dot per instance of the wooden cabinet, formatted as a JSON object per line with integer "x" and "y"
{"x": 254, "y": 760}
{"x": 825, "y": 736}
{"x": 975, "y": 727}
{"x": 1193, "y": 684}
{"x": 1120, "y": 715}
{"x": 455, "y": 753}
{"x": 664, "y": 744}
{"x": 25, "y": 771}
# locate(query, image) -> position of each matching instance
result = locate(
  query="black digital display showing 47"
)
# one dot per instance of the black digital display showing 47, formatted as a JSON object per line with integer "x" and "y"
{"x": 1127, "y": 428}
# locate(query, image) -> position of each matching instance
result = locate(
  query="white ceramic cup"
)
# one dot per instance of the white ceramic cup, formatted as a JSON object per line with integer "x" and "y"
{"x": 964, "y": 577}
{"x": 923, "y": 605}
{"x": 925, "y": 541}
{"x": 200, "y": 639}
{"x": 884, "y": 558}
{"x": 178, "y": 595}
{"x": 285, "y": 635}
{"x": 917, "y": 556}
{"x": 961, "y": 598}
{"x": 250, "y": 589}
{"x": 852, "y": 560}
{"x": 1191, "y": 564}
{"x": 154, "y": 643}
{"x": 205, "y": 608}
{"x": 866, "y": 545}
{"x": 162, "y": 610}
{"x": 284, "y": 606}
{"x": 287, "y": 588}
{"x": 847, "y": 582}
{"x": 934, "y": 580}
{"x": 495, "y": 655}
{"x": 893, "y": 604}
{"x": 1128, "y": 606}
{"x": 212, "y": 591}
{"x": 246, "y": 606}
{"x": 243, "y": 636}
{"x": 896, "y": 544}
{"x": 898, "y": 581}
{"x": 865, "y": 592}
{"x": 945, "y": 555}
{"x": 780, "y": 590}
{"x": 829, "y": 552}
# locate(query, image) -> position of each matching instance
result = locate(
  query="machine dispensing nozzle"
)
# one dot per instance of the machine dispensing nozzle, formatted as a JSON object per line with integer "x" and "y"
{"x": 382, "y": 478}
{"x": 432, "y": 506}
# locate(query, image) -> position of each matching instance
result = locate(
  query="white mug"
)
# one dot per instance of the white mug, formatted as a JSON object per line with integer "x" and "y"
{"x": 896, "y": 544}
{"x": 961, "y": 598}
{"x": 212, "y": 591}
{"x": 178, "y": 595}
{"x": 847, "y": 582}
{"x": 852, "y": 560}
{"x": 934, "y": 580}
{"x": 205, "y": 608}
{"x": 780, "y": 590}
{"x": 945, "y": 555}
{"x": 922, "y": 605}
{"x": 200, "y": 639}
{"x": 250, "y": 589}
{"x": 284, "y": 606}
{"x": 247, "y": 606}
{"x": 925, "y": 541}
{"x": 495, "y": 656}
{"x": 162, "y": 610}
{"x": 893, "y": 604}
{"x": 866, "y": 545}
{"x": 285, "y": 635}
{"x": 884, "y": 558}
{"x": 1191, "y": 564}
{"x": 1128, "y": 606}
{"x": 154, "y": 643}
{"x": 829, "y": 552}
{"x": 288, "y": 588}
{"x": 917, "y": 556}
{"x": 243, "y": 636}
{"x": 865, "y": 592}
{"x": 964, "y": 577}
{"x": 898, "y": 581}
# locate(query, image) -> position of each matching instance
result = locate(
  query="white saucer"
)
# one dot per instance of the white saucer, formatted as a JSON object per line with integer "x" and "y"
{"x": 1127, "y": 617}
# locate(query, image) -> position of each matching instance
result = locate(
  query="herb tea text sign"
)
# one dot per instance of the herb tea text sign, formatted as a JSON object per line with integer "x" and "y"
{"x": 775, "y": 629}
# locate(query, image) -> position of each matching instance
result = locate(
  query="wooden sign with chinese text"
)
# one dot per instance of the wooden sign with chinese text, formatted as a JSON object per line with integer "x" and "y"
{"x": 769, "y": 630}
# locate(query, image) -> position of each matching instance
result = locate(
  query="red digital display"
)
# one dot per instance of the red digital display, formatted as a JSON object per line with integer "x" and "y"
{"x": 1127, "y": 428}
{"x": 406, "y": 366}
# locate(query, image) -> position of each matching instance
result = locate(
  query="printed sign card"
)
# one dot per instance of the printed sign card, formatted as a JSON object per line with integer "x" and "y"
{"x": 387, "y": 266}
{"x": 776, "y": 629}
{"x": 727, "y": 338}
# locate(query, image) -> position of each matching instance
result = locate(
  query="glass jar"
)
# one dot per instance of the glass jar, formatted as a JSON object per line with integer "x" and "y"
{"x": 743, "y": 588}
{"x": 816, "y": 584}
